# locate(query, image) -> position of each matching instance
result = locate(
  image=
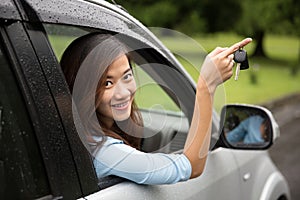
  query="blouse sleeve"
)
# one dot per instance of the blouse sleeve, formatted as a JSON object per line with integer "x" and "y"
{"x": 117, "y": 158}
{"x": 238, "y": 133}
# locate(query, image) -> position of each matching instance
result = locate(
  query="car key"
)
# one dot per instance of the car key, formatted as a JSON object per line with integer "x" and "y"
{"x": 237, "y": 71}
{"x": 240, "y": 57}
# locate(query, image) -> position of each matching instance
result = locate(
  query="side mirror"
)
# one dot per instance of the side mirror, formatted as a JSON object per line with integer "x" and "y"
{"x": 247, "y": 127}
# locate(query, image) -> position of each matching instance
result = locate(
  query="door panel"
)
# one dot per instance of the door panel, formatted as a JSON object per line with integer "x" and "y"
{"x": 255, "y": 169}
{"x": 220, "y": 180}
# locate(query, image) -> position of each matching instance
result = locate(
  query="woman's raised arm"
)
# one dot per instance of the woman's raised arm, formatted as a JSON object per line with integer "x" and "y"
{"x": 216, "y": 69}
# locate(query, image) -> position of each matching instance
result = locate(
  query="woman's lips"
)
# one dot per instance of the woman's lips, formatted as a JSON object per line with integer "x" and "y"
{"x": 121, "y": 106}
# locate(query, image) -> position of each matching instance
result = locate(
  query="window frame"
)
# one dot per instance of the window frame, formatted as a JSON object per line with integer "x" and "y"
{"x": 63, "y": 101}
{"x": 22, "y": 159}
{"x": 53, "y": 144}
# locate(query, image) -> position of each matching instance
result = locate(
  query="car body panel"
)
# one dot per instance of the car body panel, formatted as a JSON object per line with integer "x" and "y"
{"x": 220, "y": 180}
{"x": 260, "y": 177}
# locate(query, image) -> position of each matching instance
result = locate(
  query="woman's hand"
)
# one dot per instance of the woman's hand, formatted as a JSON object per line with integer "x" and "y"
{"x": 217, "y": 66}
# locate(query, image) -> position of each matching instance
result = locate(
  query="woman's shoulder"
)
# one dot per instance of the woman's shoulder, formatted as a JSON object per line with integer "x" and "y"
{"x": 107, "y": 140}
{"x": 111, "y": 140}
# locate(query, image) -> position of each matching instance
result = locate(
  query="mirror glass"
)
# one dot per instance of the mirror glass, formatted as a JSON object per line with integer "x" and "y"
{"x": 245, "y": 126}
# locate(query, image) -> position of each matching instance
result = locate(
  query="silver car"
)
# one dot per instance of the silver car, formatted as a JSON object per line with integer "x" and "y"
{"x": 42, "y": 155}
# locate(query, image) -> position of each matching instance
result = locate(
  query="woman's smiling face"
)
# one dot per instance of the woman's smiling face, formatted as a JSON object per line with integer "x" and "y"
{"x": 118, "y": 94}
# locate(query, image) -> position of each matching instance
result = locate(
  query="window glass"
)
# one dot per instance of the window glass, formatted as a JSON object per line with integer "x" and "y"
{"x": 22, "y": 174}
{"x": 158, "y": 109}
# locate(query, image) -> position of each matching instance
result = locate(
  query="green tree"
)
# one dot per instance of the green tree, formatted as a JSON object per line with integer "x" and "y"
{"x": 262, "y": 16}
{"x": 189, "y": 16}
{"x": 220, "y": 15}
{"x": 171, "y": 14}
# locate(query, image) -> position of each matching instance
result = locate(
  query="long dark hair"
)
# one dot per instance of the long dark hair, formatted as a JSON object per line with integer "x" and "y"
{"x": 85, "y": 64}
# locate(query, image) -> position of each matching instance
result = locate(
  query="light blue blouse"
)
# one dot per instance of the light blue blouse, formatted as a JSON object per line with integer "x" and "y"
{"x": 119, "y": 159}
{"x": 248, "y": 131}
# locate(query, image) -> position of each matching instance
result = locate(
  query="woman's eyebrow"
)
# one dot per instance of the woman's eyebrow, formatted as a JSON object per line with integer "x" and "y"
{"x": 127, "y": 70}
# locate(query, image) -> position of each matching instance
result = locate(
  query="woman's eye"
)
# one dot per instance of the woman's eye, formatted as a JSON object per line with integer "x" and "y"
{"x": 108, "y": 83}
{"x": 128, "y": 76}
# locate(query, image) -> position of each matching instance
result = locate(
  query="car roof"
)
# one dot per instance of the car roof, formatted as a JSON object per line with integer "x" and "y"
{"x": 96, "y": 14}
{"x": 8, "y": 10}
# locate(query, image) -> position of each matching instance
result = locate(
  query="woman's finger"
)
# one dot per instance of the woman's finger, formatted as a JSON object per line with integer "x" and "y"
{"x": 217, "y": 50}
{"x": 235, "y": 47}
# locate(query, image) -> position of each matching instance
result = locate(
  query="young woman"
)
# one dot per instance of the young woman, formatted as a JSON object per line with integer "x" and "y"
{"x": 98, "y": 71}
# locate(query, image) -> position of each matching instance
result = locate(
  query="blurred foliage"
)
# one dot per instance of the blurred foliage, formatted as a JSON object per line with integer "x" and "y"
{"x": 247, "y": 16}
{"x": 252, "y": 18}
{"x": 190, "y": 16}
{"x": 268, "y": 16}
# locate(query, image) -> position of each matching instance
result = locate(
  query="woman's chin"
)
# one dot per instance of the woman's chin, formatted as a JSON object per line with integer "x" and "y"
{"x": 121, "y": 116}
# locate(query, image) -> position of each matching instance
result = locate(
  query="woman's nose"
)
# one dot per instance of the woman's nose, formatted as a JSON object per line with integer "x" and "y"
{"x": 122, "y": 91}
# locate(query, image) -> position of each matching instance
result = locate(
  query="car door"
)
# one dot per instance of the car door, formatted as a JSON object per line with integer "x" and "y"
{"x": 172, "y": 103}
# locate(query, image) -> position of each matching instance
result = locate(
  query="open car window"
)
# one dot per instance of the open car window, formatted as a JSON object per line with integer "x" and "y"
{"x": 164, "y": 104}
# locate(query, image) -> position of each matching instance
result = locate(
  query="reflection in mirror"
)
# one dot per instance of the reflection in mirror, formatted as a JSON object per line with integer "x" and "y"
{"x": 246, "y": 126}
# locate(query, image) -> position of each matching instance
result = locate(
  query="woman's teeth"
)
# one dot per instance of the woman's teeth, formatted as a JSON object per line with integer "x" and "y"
{"x": 120, "y": 105}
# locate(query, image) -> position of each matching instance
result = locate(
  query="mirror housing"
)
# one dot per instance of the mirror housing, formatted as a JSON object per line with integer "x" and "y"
{"x": 248, "y": 127}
